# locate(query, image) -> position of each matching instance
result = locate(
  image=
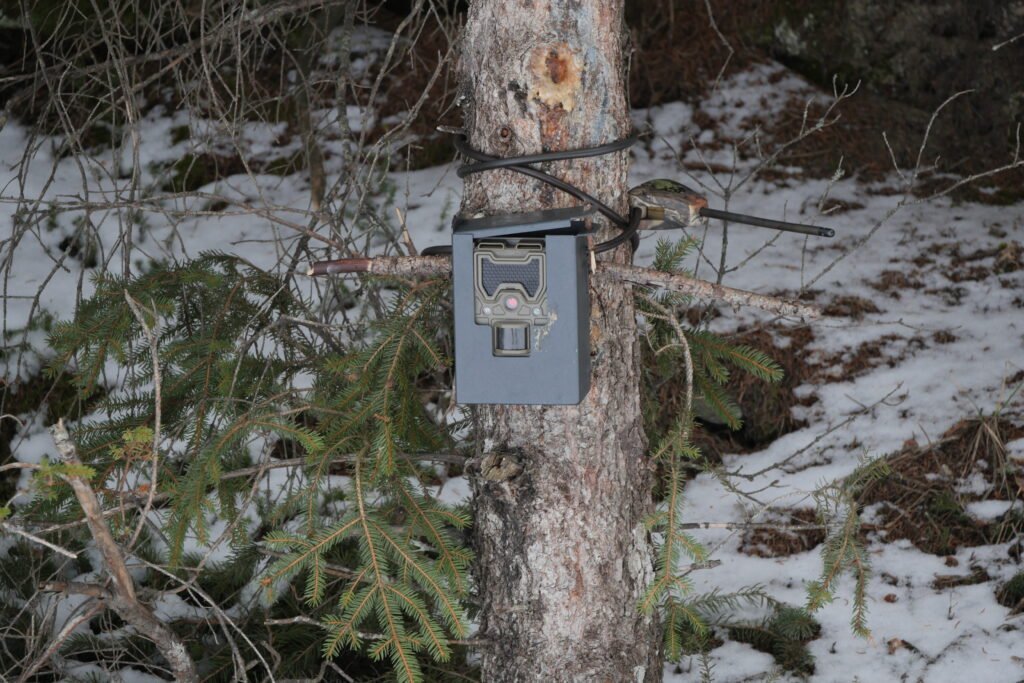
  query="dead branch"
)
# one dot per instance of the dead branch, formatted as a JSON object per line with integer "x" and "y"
{"x": 389, "y": 266}
{"x": 19, "y": 466}
{"x": 413, "y": 266}
{"x": 742, "y": 526}
{"x": 92, "y": 590}
{"x": 122, "y": 597}
{"x": 306, "y": 621}
{"x": 227, "y": 623}
{"x": 702, "y": 289}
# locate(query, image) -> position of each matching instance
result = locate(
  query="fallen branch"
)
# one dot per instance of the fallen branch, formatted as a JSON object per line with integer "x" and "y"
{"x": 412, "y": 266}
{"x": 122, "y": 598}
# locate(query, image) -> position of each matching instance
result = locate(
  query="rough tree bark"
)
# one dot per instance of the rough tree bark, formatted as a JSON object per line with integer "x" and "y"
{"x": 560, "y": 492}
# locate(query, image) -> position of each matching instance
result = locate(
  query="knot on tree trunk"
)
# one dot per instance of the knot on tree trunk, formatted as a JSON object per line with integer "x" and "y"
{"x": 501, "y": 466}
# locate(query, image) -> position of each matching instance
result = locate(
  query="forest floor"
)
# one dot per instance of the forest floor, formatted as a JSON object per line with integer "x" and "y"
{"x": 918, "y": 359}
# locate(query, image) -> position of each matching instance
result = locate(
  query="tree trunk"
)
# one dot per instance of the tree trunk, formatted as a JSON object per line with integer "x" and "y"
{"x": 560, "y": 492}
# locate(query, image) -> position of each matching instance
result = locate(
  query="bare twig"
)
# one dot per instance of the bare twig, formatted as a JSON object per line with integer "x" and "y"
{"x": 999, "y": 46}
{"x": 410, "y": 248}
{"x": 928, "y": 131}
{"x": 19, "y": 466}
{"x": 668, "y": 316}
{"x": 721, "y": 38}
{"x": 151, "y": 337}
{"x": 8, "y": 527}
{"x": 291, "y": 621}
{"x": 55, "y": 644}
{"x": 781, "y": 464}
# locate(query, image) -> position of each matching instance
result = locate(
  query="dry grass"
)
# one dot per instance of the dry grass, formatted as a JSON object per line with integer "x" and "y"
{"x": 924, "y": 498}
{"x": 889, "y": 350}
{"x": 854, "y": 307}
{"x": 783, "y": 541}
{"x": 896, "y": 282}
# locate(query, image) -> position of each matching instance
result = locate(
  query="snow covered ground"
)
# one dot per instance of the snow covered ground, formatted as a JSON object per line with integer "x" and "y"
{"x": 954, "y": 633}
{"x": 919, "y": 632}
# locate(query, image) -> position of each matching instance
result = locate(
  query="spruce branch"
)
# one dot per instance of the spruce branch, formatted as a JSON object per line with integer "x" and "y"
{"x": 130, "y": 500}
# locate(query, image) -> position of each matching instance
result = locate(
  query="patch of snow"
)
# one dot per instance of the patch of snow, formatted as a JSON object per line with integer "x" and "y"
{"x": 991, "y": 510}
{"x": 975, "y": 484}
{"x": 1015, "y": 449}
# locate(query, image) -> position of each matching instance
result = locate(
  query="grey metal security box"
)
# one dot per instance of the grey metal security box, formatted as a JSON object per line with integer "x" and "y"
{"x": 522, "y": 308}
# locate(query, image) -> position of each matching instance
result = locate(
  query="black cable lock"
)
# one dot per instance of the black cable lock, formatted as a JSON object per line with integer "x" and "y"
{"x": 522, "y": 164}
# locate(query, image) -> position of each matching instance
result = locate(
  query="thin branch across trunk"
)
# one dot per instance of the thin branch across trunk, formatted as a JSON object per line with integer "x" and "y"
{"x": 430, "y": 266}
